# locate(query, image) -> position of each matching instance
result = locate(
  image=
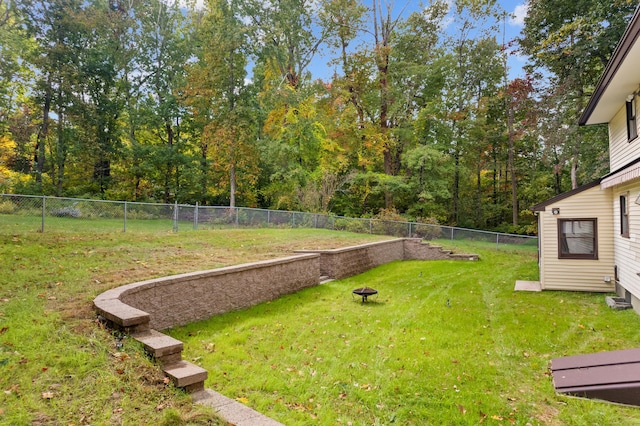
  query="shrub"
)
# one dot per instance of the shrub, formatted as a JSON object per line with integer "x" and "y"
{"x": 6, "y": 207}
{"x": 427, "y": 228}
{"x": 352, "y": 225}
{"x": 390, "y": 222}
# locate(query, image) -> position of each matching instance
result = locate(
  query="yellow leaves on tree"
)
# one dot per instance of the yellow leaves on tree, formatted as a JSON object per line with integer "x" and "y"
{"x": 7, "y": 149}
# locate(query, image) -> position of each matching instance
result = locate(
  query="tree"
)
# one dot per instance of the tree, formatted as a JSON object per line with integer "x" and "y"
{"x": 283, "y": 36}
{"x": 164, "y": 48}
{"x": 458, "y": 117}
{"x": 14, "y": 44}
{"x": 574, "y": 41}
{"x": 59, "y": 36}
{"x": 219, "y": 96}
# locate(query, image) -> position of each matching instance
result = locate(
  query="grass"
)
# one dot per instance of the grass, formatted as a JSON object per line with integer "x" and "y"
{"x": 444, "y": 343}
{"x": 315, "y": 357}
{"x": 57, "y": 365}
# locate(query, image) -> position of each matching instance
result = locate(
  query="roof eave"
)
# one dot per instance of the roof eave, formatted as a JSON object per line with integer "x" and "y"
{"x": 627, "y": 41}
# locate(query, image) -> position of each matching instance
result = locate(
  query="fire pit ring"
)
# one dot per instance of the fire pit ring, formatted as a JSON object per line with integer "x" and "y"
{"x": 365, "y": 292}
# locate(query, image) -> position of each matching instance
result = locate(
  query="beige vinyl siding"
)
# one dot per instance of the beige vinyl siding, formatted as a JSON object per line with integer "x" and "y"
{"x": 620, "y": 149}
{"x": 627, "y": 250}
{"x": 578, "y": 274}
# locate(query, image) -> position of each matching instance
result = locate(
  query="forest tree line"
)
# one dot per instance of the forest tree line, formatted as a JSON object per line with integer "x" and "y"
{"x": 157, "y": 100}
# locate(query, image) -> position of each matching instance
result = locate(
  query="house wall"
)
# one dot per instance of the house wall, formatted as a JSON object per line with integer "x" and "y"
{"x": 578, "y": 274}
{"x": 627, "y": 250}
{"x": 621, "y": 151}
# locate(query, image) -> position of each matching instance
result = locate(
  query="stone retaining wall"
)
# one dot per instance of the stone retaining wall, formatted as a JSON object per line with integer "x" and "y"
{"x": 144, "y": 307}
{"x": 185, "y": 298}
{"x": 350, "y": 261}
{"x": 180, "y": 299}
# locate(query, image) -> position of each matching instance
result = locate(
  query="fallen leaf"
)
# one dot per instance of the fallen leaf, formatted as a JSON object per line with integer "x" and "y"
{"x": 495, "y": 417}
{"x": 3, "y": 330}
{"x": 462, "y": 409}
{"x": 47, "y": 395}
{"x": 242, "y": 400}
{"x": 166, "y": 380}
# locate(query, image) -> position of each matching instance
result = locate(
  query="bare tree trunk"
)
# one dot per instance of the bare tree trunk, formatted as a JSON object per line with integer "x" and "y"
{"x": 43, "y": 133}
{"x": 169, "y": 164}
{"x": 512, "y": 168}
{"x": 232, "y": 170}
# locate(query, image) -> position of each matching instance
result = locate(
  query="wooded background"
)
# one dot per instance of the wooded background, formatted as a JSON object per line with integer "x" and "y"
{"x": 151, "y": 100}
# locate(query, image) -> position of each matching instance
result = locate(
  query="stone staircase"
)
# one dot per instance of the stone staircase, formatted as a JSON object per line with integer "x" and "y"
{"x": 168, "y": 352}
{"x": 165, "y": 349}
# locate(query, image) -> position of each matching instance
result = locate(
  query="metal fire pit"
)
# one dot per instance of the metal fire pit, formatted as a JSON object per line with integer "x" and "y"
{"x": 365, "y": 292}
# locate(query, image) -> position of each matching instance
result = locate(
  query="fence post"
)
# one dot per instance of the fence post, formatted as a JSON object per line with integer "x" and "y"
{"x": 293, "y": 219}
{"x": 410, "y": 229}
{"x": 195, "y": 217}
{"x": 370, "y": 226}
{"x": 497, "y": 241}
{"x": 268, "y": 217}
{"x": 237, "y": 221}
{"x": 44, "y": 201}
{"x": 124, "y": 229}
{"x": 452, "y": 233}
{"x": 175, "y": 217}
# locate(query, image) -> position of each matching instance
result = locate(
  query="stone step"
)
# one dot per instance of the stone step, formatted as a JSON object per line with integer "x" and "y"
{"x": 165, "y": 349}
{"x": 186, "y": 375}
{"x": 122, "y": 316}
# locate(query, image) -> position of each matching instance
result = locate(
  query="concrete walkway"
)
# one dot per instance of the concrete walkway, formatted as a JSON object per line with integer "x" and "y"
{"x": 232, "y": 411}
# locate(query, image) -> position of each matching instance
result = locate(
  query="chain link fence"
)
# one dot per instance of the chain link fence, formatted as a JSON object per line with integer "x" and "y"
{"x": 19, "y": 213}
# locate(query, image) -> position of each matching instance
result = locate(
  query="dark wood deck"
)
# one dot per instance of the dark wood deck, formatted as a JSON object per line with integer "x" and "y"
{"x": 610, "y": 376}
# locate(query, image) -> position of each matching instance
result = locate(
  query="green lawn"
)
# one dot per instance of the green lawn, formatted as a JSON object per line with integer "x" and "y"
{"x": 444, "y": 343}
{"x": 57, "y": 365}
{"x": 315, "y": 357}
